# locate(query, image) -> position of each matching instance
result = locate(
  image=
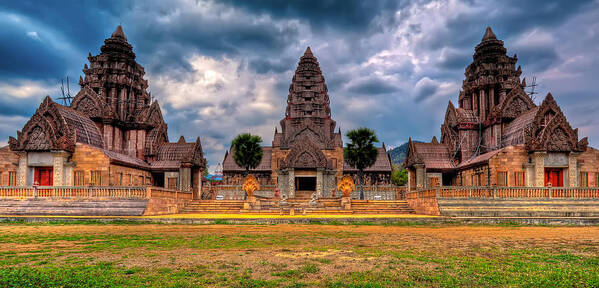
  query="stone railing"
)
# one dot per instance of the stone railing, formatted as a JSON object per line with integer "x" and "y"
{"x": 234, "y": 192}
{"x": 160, "y": 192}
{"x": 505, "y": 192}
{"x": 110, "y": 192}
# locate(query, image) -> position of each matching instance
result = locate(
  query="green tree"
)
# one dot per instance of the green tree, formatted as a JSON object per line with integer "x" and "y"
{"x": 247, "y": 151}
{"x": 360, "y": 153}
{"x": 399, "y": 176}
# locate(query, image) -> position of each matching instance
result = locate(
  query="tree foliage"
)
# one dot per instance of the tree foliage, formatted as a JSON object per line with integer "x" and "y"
{"x": 399, "y": 176}
{"x": 247, "y": 151}
{"x": 360, "y": 152}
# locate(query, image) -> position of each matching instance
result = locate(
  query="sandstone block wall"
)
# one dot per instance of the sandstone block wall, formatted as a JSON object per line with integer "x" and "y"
{"x": 9, "y": 162}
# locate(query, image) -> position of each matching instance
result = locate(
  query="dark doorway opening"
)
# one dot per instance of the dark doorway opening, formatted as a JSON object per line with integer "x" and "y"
{"x": 305, "y": 183}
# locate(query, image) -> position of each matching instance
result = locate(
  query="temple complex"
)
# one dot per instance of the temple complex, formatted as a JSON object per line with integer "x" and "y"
{"x": 306, "y": 156}
{"x": 112, "y": 134}
{"x": 497, "y": 136}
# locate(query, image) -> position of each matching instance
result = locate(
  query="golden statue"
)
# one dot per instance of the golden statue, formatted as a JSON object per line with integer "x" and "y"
{"x": 250, "y": 185}
{"x": 346, "y": 185}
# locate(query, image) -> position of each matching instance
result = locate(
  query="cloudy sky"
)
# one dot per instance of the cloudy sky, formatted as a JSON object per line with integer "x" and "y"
{"x": 219, "y": 68}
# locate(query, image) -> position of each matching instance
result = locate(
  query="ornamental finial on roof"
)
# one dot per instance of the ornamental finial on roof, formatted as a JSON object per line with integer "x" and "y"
{"x": 489, "y": 35}
{"x": 118, "y": 33}
{"x": 308, "y": 52}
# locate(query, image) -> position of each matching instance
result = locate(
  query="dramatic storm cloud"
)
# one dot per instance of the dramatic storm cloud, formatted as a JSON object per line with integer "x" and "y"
{"x": 219, "y": 68}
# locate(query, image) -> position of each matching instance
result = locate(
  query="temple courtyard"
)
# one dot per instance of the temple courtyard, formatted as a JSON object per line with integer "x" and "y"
{"x": 127, "y": 254}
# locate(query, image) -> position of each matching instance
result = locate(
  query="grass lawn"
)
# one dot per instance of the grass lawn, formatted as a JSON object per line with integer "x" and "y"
{"x": 149, "y": 255}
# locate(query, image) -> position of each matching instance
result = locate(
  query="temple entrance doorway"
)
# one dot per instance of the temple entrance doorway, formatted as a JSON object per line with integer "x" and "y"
{"x": 554, "y": 177}
{"x": 43, "y": 176}
{"x": 305, "y": 183}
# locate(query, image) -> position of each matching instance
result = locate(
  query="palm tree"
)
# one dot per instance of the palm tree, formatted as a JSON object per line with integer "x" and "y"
{"x": 247, "y": 151}
{"x": 360, "y": 153}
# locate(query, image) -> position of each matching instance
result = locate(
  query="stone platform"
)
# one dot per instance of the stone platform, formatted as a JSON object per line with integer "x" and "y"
{"x": 518, "y": 207}
{"x": 299, "y": 206}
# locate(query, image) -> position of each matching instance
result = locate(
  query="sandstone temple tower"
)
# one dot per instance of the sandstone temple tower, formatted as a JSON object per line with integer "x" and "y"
{"x": 110, "y": 135}
{"x": 497, "y": 136}
{"x": 306, "y": 156}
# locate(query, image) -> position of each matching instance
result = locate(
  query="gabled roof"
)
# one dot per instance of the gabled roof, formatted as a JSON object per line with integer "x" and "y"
{"x": 229, "y": 164}
{"x": 382, "y": 163}
{"x": 172, "y": 155}
{"x": 432, "y": 155}
{"x": 480, "y": 159}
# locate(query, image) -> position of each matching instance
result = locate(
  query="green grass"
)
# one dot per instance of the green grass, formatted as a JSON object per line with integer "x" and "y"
{"x": 71, "y": 260}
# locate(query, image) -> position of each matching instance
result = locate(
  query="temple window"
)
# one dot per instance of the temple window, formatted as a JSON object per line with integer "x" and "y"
{"x": 502, "y": 179}
{"x": 519, "y": 179}
{"x": 584, "y": 179}
{"x": 12, "y": 178}
{"x": 172, "y": 183}
{"x": 96, "y": 178}
{"x": 78, "y": 178}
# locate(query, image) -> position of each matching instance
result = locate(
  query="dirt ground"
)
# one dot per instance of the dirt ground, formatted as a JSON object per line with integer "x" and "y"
{"x": 329, "y": 248}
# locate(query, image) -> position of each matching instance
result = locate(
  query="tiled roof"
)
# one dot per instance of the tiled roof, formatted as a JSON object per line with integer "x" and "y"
{"x": 175, "y": 151}
{"x": 514, "y": 132}
{"x": 482, "y": 158}
{"x": 119, "y": 158}
{"x": 87, "y": 132}
{"x": 434, "y": 156}
{"x": 265, "y": 164}
{"x": 382, "y": 163}
{"x": 466, "y": 116}
{"x": 165, "y": 164}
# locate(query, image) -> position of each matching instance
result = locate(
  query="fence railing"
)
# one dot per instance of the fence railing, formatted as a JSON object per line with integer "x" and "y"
{"x": 505, "y": 192}
{"x": 116, "y": 192}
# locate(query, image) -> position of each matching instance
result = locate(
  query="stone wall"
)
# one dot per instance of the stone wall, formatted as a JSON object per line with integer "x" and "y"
{"x": 9, "y": 162}
{"x": 511, "y": 160}
{"x": 589, "y": 162}
{"x": 425, "y": 206}
{"x": 87, "y": 159}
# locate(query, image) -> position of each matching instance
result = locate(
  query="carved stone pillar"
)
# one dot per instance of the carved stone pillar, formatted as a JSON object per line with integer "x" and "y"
{"x": 185, "y": 177}
{"x": 291, "y": 187}
{"x": 420, "y": 181}
{"x": 410, "y": 180}
{"x": 319, "y": 183}
{"x": 22, "y": 170}
{"x": 59, "y": 159}
{"x": 539, "y": 161}
{"x": 483, "y": 105}
{"x": 198, "y": 192}
{"x": 573, "y": 169}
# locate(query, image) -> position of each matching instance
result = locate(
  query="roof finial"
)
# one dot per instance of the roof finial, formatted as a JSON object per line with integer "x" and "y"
{"x": 489, "y": 35}
{"x": 118, "y": 33}
{"x": 181, "y": 140}
{"x": 308, "y": 52}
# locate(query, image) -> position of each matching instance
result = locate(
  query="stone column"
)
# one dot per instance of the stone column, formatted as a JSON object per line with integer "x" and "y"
{"x": 291, "y": 184}
{"x": 420, "y": 183}
{"x": 60, "y": 158}
{"x": 410, "y": 180}
{"x": 573, "y": 169}
{"x": 185, "y": 177}
{"x": 319, "y": 182}
{"x": 483, "y": 104}
{"x": 198, "y": 192}
{"x": 22, "y": 170}
{"x": 539, "y": 160}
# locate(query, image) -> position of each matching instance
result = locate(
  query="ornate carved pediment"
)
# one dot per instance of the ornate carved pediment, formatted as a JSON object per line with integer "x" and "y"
{"x": 155, "y": 138}
{"x": 151, "y": 115}
{"x": 516, "y": 103}
{"x": 449, "y": 137}
{"x": 450, "y": 115}
{"x": 305, "y": 154}
{"x": 557, "y": 136}
{"x": 45, "y": 130}
{"x": 89, "y": 103}
{"x": 412, "y": 156}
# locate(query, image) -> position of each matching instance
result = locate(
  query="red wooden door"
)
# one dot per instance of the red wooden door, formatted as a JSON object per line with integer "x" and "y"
{"x": 555, "y": 177}
{"x": 43, "y": 176}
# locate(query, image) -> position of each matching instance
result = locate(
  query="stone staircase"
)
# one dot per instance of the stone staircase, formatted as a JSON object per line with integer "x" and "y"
{"x": 455, "y": 207}
{"x": 213, "y": 207}
{"x": 73, "y": 207}
{"x": 297, "y": 206}
{"x": 381, "y": 207}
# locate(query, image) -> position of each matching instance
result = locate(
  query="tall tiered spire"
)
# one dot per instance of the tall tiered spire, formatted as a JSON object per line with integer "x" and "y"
{"x": 308, "y": 105}
{"x": 308, "y": 95}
